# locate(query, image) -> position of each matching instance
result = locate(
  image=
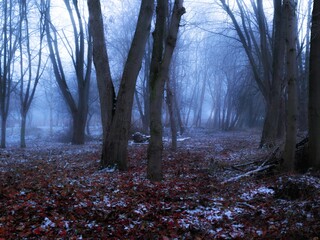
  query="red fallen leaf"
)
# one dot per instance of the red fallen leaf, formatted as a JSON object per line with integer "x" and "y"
{"x": 2, "y": 231}
{"x": 37, "y": 231}
{"x": 63, "y": 233}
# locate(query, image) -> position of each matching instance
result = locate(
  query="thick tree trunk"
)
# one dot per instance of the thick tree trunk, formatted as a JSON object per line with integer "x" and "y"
{"x": 314, "y": 89}
{"x": 291, "y": 71}
{"x": 114, "y": 150}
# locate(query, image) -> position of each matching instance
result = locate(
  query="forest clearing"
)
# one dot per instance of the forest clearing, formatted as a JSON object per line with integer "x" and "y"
{"x": 56, "y": 191}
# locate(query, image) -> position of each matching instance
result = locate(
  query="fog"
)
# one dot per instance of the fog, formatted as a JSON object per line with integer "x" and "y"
{"x": 210, "y": 76}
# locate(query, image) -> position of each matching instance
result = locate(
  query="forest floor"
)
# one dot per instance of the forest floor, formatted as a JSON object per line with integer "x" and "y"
{"x": 56, "y": 191}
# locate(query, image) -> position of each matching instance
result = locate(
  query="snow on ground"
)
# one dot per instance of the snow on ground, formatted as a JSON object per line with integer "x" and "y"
{"x": 57, "y": 191}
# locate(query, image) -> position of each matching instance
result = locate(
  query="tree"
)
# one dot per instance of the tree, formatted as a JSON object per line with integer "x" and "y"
{"x": 291, "y": 75}
{"x": 114, "y": 150}
{"x": 159, "y": 73}
{"x": 10, "y": 41}
{"x": 107, "y": 94}
{"x": 82, "y": 64}
{"x": 30, "y": 74}
{"x": 314, "y": 88}
{"x": 266, "y": 57}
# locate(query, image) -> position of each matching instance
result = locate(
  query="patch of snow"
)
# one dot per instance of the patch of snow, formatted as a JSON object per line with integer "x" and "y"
{"x": 106, "y": 200}
{"x": 22, "y": 193}
{"x": 142, "y": 209}
{"x": 91, "y": 224}
{"x": 183, "y": 139}
{"x": 261, "y": 190}
{"x": 66, "y": 225}
{"x": 109, "y": 169}
{"x": 228, "y": 213}
{"x": 259, "y": 233}
{"x": 47, "y": 223}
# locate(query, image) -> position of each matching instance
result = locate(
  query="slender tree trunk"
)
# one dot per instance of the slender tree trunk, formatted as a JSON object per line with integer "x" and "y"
{"x": 314, "y": 89}
{"x": 292, "y": 103}
{"x": 101, "y": 61}
{"x": 154, "y": 170}
{"x": 173, "y": 125}
{"x": 3, "y": 131}
{"x": 82, "y": 68}
{"x": 51, "y": 120}
{"x": 23, "y": 130}
{"x": 88, "y": 124}
{"x": 305, "y": 66}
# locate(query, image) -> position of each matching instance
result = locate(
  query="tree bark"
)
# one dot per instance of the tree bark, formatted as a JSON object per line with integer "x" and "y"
{"x": 10, "y": 41}
{"x": 101, "y": 61}
{"x": 291, "y": 71}
{"x": 314, "y": 89}
{"x": 114, "y": 150}
{"x": 154, "y": 170}
{"x": 28, "y": 79}
{"x": 173, "y": 124}
{"x": 155, "y": 148}
{"x": 23, "y": 130}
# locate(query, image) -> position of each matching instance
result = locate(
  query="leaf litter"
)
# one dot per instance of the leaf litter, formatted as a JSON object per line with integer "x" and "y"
{"x": 57, "y": 192}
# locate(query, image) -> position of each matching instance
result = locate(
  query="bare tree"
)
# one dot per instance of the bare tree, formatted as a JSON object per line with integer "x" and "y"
{"x": 30, "y": 74}
{"x": 82, "y": 64}
{"x": 107, "y": 94}
{"x": 314, "y": 88}
{"x": 160, "y": 72}
{"x": 266, "y": 57}
{"x": 114, "y": 152}
{"x": 10, "y": 44}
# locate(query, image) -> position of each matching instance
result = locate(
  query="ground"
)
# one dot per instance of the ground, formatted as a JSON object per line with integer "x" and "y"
{"x": 56, "y": 191}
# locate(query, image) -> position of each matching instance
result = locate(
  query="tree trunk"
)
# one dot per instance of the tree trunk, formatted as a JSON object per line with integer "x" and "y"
{"x": 270, "y": 133}
{"x": 107, "y": 94}
{"x": 268, "y": 68}
{"x": 114, "y": 150}
{"x": 3, "y": 131}
{"x": 154, "y": 170}
{"x": 9, "y": 40}
{"x": 83, "y": 75}
{"x": 173, "y": 125}
{"x": 23, "y": 130}
{"x": 291, "y": 71}
{"x": 314, "y": 89}
{"x": 79, "y": 120}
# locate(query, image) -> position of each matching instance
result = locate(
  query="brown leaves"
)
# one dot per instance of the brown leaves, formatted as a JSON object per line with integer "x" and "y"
{"x": 65, "y": 196}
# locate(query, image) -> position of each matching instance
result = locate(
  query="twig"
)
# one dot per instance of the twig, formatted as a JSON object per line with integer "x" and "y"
{"x": 259, "y": 169}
